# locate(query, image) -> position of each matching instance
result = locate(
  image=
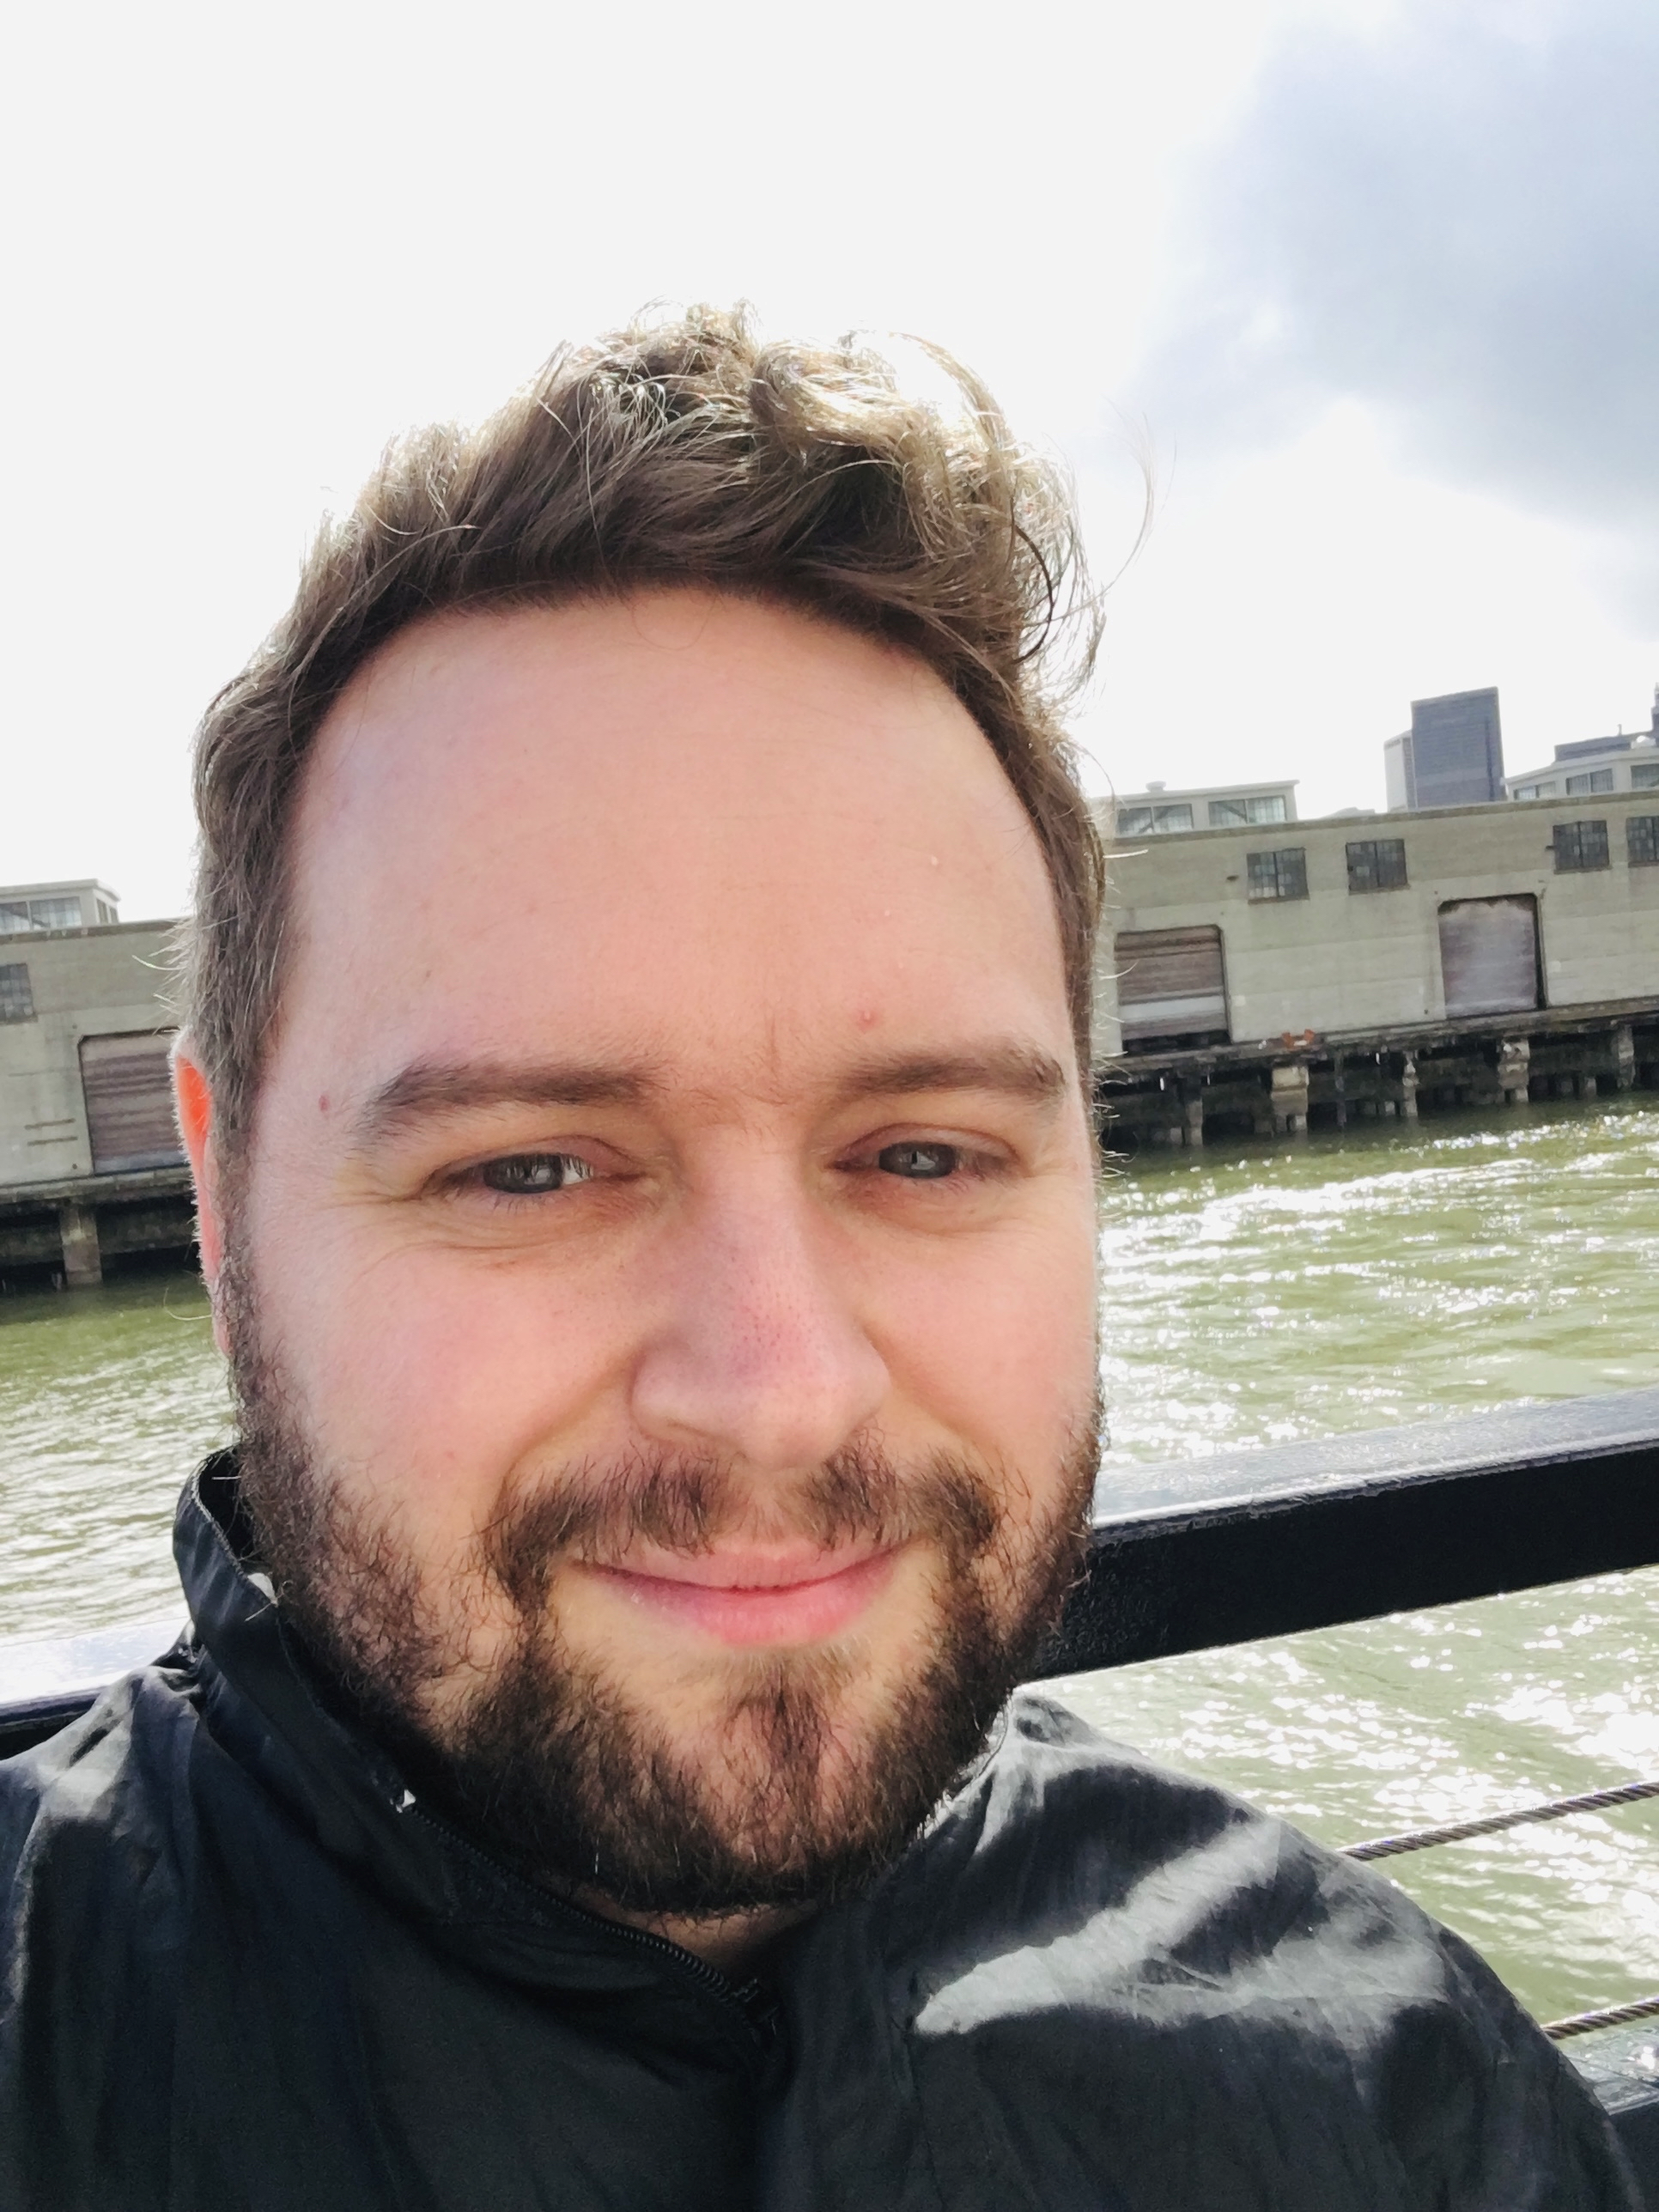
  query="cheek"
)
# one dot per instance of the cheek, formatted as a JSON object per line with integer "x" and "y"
{"x": 436, "y": 1375}
{"x": 1002, "y": 1350}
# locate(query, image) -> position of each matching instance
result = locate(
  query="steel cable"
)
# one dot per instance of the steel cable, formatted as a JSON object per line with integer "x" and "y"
{"x": 1581, "y": 2023}
{"x": 1557, "y": 1808}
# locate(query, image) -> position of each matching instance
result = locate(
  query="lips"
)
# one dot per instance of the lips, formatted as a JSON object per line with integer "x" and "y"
{"x": 748, "y": 1599}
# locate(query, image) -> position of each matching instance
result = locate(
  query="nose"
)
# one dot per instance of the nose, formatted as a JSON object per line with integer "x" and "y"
{"x": 758, "y": 1354}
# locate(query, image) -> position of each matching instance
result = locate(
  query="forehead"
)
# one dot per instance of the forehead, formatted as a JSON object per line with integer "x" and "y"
{"x": 671, "y": 815}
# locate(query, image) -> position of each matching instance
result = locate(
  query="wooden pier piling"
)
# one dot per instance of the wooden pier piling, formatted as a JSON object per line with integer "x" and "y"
{"x": 1284, "y": 1086}
{"x": 68, "y": 1232}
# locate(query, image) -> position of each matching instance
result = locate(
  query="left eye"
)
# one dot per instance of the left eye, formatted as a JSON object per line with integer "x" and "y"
{"x": 919, "y": 1163}
{"x": 526, "y": 1174}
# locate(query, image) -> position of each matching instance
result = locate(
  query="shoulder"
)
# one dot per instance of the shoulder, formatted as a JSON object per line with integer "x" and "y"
{"x": 101, "y": 1799}
{"x": 1145, "y": 1890}
{"x": 97, "y": 1877}
{"x": 1090, "y": 1964}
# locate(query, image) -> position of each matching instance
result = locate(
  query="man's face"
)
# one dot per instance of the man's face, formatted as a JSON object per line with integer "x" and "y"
{"x": 662, "y": 1277}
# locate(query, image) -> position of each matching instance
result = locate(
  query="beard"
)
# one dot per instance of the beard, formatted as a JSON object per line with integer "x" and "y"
{"x": 807, "y": 1787}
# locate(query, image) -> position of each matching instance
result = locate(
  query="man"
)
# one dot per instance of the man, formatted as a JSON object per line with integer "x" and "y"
{"x": 634, "y": 1072}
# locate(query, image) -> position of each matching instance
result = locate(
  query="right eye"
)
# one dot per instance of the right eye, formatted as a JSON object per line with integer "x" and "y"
{"x": 533, "y": 1174}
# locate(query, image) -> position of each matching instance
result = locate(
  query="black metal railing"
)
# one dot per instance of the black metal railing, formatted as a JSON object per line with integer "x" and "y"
{"x": 1244, "y": 1545}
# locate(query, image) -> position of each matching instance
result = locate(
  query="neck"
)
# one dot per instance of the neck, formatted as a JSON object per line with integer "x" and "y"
{"x": 734, "y": 1942}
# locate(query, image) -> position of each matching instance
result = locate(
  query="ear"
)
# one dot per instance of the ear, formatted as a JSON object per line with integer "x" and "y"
{"x": 193, "y": 1101}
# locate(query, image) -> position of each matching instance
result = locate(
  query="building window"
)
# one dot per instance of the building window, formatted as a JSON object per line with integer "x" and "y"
{"x": 1378, "y": 864}
{"x": 17, "y": 915}
{"x": 1642, "y": 839}
{"x": 1278, "y": 875}
{"x": 1596, "y": 779}
{"x": 1152, "y": 821}
{"x": 55, "y": 913}
{"x": 1579, "y": 846}
{"x": 1644, "y": 775}
{"x": 106, "y": 914}
{"x": 16, "y": 999}
{"x": 1537, "y": 790}
{"x": 1242, "y": 813}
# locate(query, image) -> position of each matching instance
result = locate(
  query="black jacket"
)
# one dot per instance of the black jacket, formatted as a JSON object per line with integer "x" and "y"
{"x": 246, "y": 1973}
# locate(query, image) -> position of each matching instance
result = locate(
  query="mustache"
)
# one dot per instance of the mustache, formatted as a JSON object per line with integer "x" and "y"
{"x": 684, "y": 1503}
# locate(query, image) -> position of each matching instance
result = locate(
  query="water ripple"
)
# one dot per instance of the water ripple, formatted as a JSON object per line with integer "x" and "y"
{"x": 107, "y": 1399}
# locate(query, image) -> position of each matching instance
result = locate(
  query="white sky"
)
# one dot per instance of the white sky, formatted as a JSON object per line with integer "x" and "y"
{"x": 244, "y": 246}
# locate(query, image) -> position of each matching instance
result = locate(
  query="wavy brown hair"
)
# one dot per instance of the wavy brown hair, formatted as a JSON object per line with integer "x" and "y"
{"x": 684, "y": 452}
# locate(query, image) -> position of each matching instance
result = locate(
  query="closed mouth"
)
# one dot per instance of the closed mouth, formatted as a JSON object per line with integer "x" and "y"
{"x": 800, "y": 1596}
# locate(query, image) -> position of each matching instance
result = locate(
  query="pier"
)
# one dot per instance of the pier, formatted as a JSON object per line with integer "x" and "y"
{"x": 1283, "y": 1086}
{"x": 64, "y": 1233}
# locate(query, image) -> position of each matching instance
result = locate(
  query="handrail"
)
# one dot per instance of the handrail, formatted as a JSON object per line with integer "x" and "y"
{"x": 1192, "y": 1554}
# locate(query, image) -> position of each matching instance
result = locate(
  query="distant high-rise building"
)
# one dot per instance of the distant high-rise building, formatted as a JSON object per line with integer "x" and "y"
{"x": 1452, "y": 755}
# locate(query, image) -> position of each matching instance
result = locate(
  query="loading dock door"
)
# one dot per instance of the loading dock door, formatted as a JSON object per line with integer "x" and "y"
{"x": 1171, "y": 983}
{"x": 1489, "y": 955}
{"x": 129, "y": 1097}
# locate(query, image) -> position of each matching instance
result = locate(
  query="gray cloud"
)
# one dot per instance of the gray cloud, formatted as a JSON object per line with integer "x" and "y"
{"x": 1455, "y": 219}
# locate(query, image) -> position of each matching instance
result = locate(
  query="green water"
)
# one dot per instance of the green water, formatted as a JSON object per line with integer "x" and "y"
{"x": 1257, "y": 1293}
{"x": 1252, "y": 1293}
{"x": 108, "y": 1398}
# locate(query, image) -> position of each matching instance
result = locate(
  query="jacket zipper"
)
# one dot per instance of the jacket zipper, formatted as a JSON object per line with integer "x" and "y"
{"x": 745, "y": 1998}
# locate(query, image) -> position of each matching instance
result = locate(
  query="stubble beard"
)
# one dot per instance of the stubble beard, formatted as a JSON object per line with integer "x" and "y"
{"x": 549, "y": 1761}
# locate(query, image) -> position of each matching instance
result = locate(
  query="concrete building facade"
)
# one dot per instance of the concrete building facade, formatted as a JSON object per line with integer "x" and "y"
{"x": 91, "y": 1166}
{"x": 1370, "y": 923}
{"x": 84, "y": 1033}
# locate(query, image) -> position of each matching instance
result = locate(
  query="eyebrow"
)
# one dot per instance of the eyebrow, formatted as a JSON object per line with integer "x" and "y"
{"x": 429, "y": 1090}
{"x": 1016, "y": 1071}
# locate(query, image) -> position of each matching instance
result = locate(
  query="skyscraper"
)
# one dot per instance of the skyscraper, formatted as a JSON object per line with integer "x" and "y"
{"x": 1452, "y": 755}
